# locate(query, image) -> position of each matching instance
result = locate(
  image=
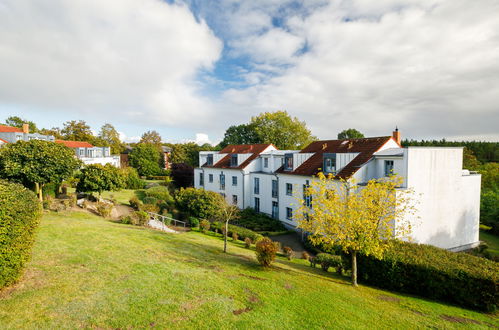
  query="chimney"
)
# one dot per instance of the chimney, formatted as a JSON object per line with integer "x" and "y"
{"x": 396, "y": 135}
{"x": 26, "y": 128}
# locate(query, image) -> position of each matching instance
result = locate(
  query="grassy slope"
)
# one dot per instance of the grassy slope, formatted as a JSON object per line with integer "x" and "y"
{"x": 492, "y": 241}
{"x": 88, "y": 272}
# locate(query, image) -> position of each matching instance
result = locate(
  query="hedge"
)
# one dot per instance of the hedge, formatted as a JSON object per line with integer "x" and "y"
{"x": 240, "y": 231}
{"x": 20, "y": 213}
{"x": 434, "y": 273}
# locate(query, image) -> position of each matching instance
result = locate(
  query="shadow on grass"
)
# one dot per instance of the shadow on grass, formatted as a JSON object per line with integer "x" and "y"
{"x": 140, "y": 194}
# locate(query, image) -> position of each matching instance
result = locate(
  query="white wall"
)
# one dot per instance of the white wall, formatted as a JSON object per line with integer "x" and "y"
{"x": 265, "y": 193}
{"x": 449, "y": 203}
{"x": 113, "y": 160}
{"x": 229, "y": 190}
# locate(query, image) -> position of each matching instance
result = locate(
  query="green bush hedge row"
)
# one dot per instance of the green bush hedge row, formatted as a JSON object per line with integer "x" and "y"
{"x": 435, "y": 273}
{"x": 20, "y": 213}
{"x": 249, "y": 218}
{"x": 241, "y": 232}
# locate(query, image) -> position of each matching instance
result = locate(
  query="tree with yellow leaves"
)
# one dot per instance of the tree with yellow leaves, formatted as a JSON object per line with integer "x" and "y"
{"x": 358, "y": 218}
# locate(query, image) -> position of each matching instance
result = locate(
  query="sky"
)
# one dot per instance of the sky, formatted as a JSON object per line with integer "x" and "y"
{"x": 190, "y": 69}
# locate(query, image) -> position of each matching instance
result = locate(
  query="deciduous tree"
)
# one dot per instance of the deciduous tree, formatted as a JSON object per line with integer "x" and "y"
{"x": 228, "y": 213}
{"x": 99, "y": 178}
{"x": 77, "y": 131}
{"x": 359, "y": 219}
{"x": 18, "y": 122}
{"x": 37, "y": 162}
{"x": 145, "y": 157}
{"x": 240, "y": 134}
{"x": 151, "y": 137}
{"x": 350, "y": 133}
{"x": 109, "y": 134}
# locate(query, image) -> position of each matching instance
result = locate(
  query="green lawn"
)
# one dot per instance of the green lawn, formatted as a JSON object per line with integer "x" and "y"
{"x": 91, "y": 273}
{"x": 492, "y": 241}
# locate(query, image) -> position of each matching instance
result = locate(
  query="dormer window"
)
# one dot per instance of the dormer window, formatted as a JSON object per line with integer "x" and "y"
{"x": 233, "y": 160}
{"x": 209, "y": 160}
{"x": 329, "y": 163}
{"x": 288, "y": 162}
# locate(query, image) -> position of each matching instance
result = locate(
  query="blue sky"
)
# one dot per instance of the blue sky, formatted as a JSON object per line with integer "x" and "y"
{"x": 190, "y": 69}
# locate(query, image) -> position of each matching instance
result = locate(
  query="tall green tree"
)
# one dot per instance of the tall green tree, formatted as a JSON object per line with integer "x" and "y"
{"x": 151, "y": 137}
{"x": 54, "y": 131}
{"x": 99, "y": 178}
{"x": 37, "y": 163}
{"x": 77, "y": 131}
{"x": 18, "y": 122}
{"x": 240, "y": 134}
{"x": 282, "y": 130}
{"x": 109, "y": 134}
{"x": 146, "y": 158}
{"x": 350, "y": 133}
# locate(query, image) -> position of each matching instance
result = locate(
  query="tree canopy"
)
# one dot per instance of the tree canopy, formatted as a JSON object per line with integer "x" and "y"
{"x": 240, "y": 134}
{"x": 77, "y": 131}
{"x": 99, "y": 178}
{"x": 110, "y": 135}
{"x": 145, "y": 157}
{"x": 37, "y": 162}
{"x": 18, "y": 122}
{"x": 350, "y": 133}
{"x": 151, "y": 137}
{"x": 357, "y": 219}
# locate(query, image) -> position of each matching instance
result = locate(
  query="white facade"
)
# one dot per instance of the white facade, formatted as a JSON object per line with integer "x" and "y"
{"x": 448, "y": 197}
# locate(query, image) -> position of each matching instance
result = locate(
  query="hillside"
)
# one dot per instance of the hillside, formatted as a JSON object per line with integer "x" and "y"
{"x": 92, "y": 273}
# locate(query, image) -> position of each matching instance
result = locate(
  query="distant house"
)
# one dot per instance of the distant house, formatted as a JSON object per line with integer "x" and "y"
{"x": 271, "y": 181}
{"x": 9, "y": 134}
{"x": 166, "y": 154}
{"x": 89, "y": 154}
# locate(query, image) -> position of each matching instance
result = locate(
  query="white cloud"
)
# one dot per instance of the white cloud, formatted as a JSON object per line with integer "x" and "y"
{"x": 202, "y": 138}
{"x": 429, "y": 67}
{"x": 128, "y": 139}
{"x": 124, "y": 60}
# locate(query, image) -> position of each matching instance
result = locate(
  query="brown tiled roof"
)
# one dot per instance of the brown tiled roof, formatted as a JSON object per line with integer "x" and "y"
{"x": 75, "y": 144}
{"x": 254, "y": 149}
{"x": 8, "y": 129}
{"x": 365, "y": 147}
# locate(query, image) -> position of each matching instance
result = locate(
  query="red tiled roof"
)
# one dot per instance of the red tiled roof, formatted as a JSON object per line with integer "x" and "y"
{"x": 8, "y": 129}
{"x": 254, "y": 149}
{"x": 365, "y": 147}
{"x": 75, "y": 144}
{"x": 2, "y": 140}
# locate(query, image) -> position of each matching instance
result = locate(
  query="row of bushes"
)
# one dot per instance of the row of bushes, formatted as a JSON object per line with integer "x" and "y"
{"x": 20, "y": 213}
{"x": 241, "y": 232}
{"x": 435, "y": 273}
{"x": 260, "y": 222}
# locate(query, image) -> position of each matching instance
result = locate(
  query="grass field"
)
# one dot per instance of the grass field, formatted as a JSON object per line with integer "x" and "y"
{"x": 91, "y": 273}
{"x": 492, "y": 241}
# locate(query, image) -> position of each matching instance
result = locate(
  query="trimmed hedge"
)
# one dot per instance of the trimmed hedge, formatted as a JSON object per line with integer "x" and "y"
{"x": 20, "y": 213}
{"x": 241, "y": 232}
{"x": 434, "y": 273}
{"x": 249, "y": 218}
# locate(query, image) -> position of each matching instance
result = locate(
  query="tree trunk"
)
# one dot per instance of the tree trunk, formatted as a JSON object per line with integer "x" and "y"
{"x": 354, "y": 268}
{"x": 225, "y": 235}
{"x": 39, "y": 191}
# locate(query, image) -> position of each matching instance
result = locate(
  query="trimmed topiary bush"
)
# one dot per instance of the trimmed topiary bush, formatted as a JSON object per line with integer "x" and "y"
{"x": 266, "y": 251}
{"x": 327, "y": 260}
{"x": 193, "y": 222}
{"x": 20, "y": 213}
{"x": 434, "y": 273}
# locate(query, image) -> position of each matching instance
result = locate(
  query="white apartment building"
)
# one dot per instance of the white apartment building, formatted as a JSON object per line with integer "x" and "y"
{"x": 271, "y": 181}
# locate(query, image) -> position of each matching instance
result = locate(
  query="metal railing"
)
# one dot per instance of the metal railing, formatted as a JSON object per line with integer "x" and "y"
{"x": 166, "y": 219}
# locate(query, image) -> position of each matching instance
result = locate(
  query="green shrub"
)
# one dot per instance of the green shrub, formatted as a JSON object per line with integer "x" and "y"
{"x": 241, "y": 232}
{"x": 104, "y": 209}
{"x": 135, "y": 203}
{"x": 434, "y": 273}
{"x": 127, "y": 220}
{"x": 249, "y": 218}
{"x": 193, "y": 222}
{"x": 288, "y": 252}
{"x": 327, "y": 260}
{"x": 150, "y": 208}
{"x": 20, "y": 213}
{"x": 266, "y": 251}
{"x": 132, "y": 179}
{"x": 199, "y": 203}
{"x": 140, "y": 218}
{"x": 150, "y": 200}
{"x": 161, "y": 193}
{"x": 247, "y": 242}
{"x": 205, "y": 225}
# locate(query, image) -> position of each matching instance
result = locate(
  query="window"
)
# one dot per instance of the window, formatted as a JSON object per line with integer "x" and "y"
{"x": 256, "y": 188}
{"x": 201, "y": 179}
{"x": 222, "y": 181}
{"x": 209, "y": 160}
{"x": 233, "y": 160}
{"x": 289, "y": 213}
{"x": 274, "y": 189}
{"x": 257, "y": 204}
{"x": 388, "y": 167}
{"x": 288, "y": 162}
{"x": 275, "y": 210}
{"x": 265, "y": 162}
{"x": 234, "y": 199}
{"x": 210, "y": 178}
{"x": 329, "y": 163}
{"x": 289, "y": 189}
{"x": 234, "y": 180}
{"x": 82, "y": 152}
{"x": 307, "y": 199}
